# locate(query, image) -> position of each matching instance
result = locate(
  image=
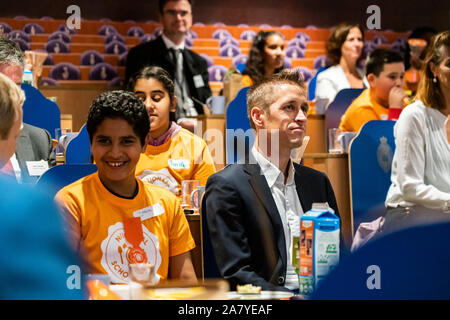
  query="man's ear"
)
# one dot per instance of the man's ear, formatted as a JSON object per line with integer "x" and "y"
{"x": 258, "y": 116}
{"x": 173, "y": 106}
{"x": 371, "y": 78}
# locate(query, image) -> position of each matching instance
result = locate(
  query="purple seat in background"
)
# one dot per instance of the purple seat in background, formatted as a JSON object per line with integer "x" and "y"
{"x": 135, "y": 31}
{"x": 65, "y": 71}
{"x": 22, "y": 44}
{"x": 60, "y": 35}
{"x": 123, "y": 59}
{"x": 105, "y": 20}
{"x": 62, "y": 27}
{"x": 219, "y": 34}
{"x": 115, "y": 47}
{"x": 56, "y": 46}
{"x": 229, "y": 51}
{"x": 379, "y": 39}
{"x": 33, "y": 28}
{"x": 157, "y": 32}
{"x": 19, "y": 34}
{"x": 116, "y": 82}
{"x": 219, "y": 24}
{"x": 5, "y": 28}
{"x": 47, "y": 82}
{"x": 199, "y": 24}
{"x": 287, "y": 64}
{"x": 209, "y": 60}
{"x": 305, "y": 72}
{"x": 321, "y": 61}
{"x": 242, "y": 25}
{"x": 49, "y": 61}
{"x": 227, "y": 41}
{"x": 106, "y": 30}
{"x": 303, "y": 36}
{"x": 216, "y": 72}
{"x": 192, "y": 34}
{"x": 102, "y": 71}
{"x": 91, "y": 58}
{"x": 294, "y": 53}
{"x": 265, "y": 26}
{"x": 286, "y": 26}
{"x": 240, "y": 59}
{"x": 47, "y": 18}
{"x": 147, "y": 37}
{"x": 188, "y": 42}
{"x": 369, "y": 46}
{"x": 114, "y": 37}
{"x": 248, "y": 35}
{"x": 297, "y": 42}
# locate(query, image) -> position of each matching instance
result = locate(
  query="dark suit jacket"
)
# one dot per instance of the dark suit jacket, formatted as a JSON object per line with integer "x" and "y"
{"x": 33, "y": 144}
{"x": 245, "y": 227}
{"x": 156, "y": 53}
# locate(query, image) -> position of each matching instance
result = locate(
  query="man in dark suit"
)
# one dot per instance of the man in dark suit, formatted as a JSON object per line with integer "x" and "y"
{"x": 34, "y": 144}
{"x": 188, "y": 69}
{"x": 253, "y": 210}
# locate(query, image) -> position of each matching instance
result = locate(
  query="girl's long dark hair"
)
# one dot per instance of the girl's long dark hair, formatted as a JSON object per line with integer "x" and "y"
{"x": 255, "y": 64}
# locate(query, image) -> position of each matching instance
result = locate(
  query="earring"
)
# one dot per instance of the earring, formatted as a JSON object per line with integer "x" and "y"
{"x": 434, "y": 80}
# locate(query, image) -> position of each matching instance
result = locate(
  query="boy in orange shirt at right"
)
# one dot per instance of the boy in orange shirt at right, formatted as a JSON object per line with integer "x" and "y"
{"x": 385, "y": 71}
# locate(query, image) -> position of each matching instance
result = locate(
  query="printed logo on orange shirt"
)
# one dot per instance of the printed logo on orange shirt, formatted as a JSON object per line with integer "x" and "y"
{"x": 117, "y": 252}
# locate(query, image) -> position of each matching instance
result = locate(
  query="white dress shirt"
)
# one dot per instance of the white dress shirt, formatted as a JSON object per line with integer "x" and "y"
{"x": 421, "y": 163}
{"x": 184, "y": 101}
{"x": 288, "y": 205}
{"x": 329, "y": 83}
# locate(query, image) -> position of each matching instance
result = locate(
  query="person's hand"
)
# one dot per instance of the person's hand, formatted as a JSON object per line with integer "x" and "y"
{"x": 396, "y": 96}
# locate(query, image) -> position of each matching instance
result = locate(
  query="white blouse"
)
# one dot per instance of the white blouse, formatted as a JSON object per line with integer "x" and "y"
{"x": 329, "y": 83}
{"x": 421, "y": 164}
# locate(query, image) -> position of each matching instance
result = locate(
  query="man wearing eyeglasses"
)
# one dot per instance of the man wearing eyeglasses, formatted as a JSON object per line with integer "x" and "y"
{"x": 188, "y": 69}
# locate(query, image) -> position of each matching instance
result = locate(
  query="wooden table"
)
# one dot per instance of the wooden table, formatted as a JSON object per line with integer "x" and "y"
{"x": 335, "y": 166}
{"x": 195, "y": 224}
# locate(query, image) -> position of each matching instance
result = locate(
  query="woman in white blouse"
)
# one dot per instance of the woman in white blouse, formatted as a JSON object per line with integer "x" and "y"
{"x": 344, "y": 50}
{"x": 420, "y": 189}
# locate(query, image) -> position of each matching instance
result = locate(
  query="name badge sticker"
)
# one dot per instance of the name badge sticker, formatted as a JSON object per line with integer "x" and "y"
{"x": 149, "y": 212}
{"x": 179, "y": 164}
{"x": 198, "y": 81}
{"x": 37, "y": 168}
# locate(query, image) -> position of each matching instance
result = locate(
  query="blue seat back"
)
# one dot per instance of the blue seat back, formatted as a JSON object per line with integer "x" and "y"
{"x": 370, "y": 159}
{"x": 312, "y": 85}
{"x": 40, "y": 111}
{"x": 239, "y": 135}
{"x": 79, "y": 148}
{"x": 62, "y": 175}
{"x": 337, "y": 108}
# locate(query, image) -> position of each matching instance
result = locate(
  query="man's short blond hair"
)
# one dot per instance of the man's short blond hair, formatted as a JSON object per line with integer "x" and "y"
{"x": 11, "y": 100}
{"x": 262, "y": 94}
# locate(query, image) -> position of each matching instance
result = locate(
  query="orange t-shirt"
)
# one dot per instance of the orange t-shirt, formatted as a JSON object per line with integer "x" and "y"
{"x": 183, "y": 157}
{"x": 362, "y": 110}
{"x": 95, "y": 220}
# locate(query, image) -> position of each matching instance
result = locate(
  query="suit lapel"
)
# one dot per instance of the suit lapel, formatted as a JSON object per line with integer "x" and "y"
{"x": 304, "y": 194}
{"x": 259, "y": 185}
{"x": 161, "y": 47}
{"x": 24, "y": 150}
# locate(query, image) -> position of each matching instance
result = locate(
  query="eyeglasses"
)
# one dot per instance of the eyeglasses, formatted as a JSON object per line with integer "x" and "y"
{"x": 174, "y": 13}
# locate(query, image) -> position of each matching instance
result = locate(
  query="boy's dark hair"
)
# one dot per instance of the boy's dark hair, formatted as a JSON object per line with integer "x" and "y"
{"x": 378, "y": 58}
{"x": 162, "y": 3}
{"x": 119, "y": 104}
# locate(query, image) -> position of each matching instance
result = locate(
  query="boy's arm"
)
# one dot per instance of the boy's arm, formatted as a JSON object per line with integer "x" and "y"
{"x": 181, "y": 267}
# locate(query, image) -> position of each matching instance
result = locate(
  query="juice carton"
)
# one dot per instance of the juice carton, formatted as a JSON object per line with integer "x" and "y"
{"x": 319, "y": 246}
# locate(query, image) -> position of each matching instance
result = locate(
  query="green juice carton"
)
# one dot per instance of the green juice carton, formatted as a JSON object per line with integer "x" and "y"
{"x": 319, "y": 246}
